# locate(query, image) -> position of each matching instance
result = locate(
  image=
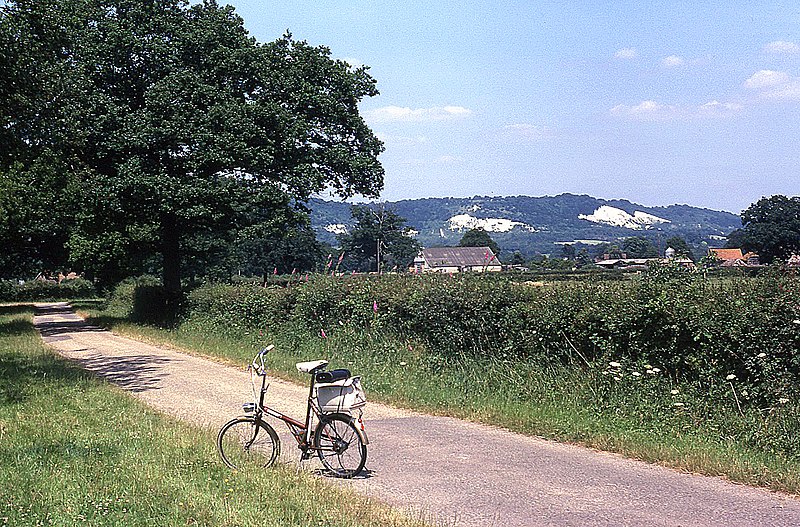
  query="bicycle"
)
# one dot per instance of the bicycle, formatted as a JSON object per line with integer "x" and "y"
{"x": 335, "y": 402}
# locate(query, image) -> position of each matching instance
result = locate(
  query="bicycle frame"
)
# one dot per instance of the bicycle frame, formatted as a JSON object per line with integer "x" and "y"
{"x": 302, "y": 432}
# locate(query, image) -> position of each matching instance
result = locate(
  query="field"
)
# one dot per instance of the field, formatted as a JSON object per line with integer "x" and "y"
{"x": 684, "y": 370}
{"x": 75, "y": 450}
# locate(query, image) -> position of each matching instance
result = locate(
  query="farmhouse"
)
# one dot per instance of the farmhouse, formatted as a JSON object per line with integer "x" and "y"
{"x": 735, "y": 258}
{"x": 456, "y": 260}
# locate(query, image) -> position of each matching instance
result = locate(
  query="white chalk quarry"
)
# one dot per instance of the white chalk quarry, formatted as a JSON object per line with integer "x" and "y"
{"x": 465, "y": 222}
{"x": 619, "y": 218}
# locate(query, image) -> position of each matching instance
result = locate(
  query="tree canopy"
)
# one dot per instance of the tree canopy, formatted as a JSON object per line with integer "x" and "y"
{"x": 639, "y": 247}
{"x": 772, "y": 227}
{"x": 171, "y": 129}
{"x": 380, "y": 239}
{"x": 479, "y": 238}
{"x": 680, "y": 246}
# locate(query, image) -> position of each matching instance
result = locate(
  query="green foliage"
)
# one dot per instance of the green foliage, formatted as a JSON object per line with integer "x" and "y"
{"x": 479, "y": 238}
{"x": 174, "y": 129}
{"x": 772, "y": 227}
{"x": 34, "y": 218}
{"x": 379, "y": 239}
{"x": 45, "y": 290}
{"x": 639, "y": 247}
{"x": 682, "y": 249}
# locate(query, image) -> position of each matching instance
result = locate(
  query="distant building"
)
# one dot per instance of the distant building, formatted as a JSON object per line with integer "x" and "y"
{"x": 456, "y": 260}
{"x": 726, "y": 255}
{"x": 624, "y": 263}
{"x": 735, "y": 258}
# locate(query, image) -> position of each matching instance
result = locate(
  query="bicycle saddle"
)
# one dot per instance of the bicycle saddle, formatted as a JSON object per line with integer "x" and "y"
{"x": 333, "y": 375}
{"x": 311, "y": 366}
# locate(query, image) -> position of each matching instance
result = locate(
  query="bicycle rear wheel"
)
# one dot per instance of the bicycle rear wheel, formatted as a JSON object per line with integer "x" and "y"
{"x": 244, "y": 444}
{"x": 339, "y": 446}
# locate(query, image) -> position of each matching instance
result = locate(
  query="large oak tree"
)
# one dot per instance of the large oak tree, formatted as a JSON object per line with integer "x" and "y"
{"x": 177, "y": 129}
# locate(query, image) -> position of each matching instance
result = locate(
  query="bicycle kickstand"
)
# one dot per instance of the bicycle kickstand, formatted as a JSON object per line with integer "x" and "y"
{"x": 304, "y": 456}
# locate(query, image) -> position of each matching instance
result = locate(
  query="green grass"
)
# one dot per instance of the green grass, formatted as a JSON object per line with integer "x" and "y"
{"x": 634, "y": 416}
{"x": 75, "y": 450}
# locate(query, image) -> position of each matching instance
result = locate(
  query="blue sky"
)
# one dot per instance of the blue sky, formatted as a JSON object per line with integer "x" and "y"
{"x": 656, "y": 103}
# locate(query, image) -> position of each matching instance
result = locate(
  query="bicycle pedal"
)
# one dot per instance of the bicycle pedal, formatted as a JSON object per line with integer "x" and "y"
{"x": 305, "y": 456}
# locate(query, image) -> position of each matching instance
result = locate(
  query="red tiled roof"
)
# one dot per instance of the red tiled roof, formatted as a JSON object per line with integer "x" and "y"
{"x": 727, "y": 254}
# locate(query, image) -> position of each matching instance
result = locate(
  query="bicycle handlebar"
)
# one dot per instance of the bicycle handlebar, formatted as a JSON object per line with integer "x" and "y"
{"x": 258, "y": 360}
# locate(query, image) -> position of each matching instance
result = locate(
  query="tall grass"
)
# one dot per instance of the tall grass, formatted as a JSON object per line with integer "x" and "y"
{"x": 74, "y": 450}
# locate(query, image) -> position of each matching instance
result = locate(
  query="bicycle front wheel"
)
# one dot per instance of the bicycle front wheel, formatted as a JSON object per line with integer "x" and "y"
{"x": 339, "y": 446}
{"x": 245, "y": 444}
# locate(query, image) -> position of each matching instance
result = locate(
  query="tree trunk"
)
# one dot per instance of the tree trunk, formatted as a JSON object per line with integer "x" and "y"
{"x": 170, "y": 252}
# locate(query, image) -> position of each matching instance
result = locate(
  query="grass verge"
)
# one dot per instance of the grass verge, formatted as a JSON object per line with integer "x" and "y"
{"x": 75, "y": 450}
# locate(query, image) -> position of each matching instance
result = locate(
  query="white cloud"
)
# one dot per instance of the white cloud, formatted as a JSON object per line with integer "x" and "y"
{"x": 774, "y": 85}
{"x": 645, "y": 111}
{"x": 406, "y": 114}
{"x": 766, "y": 78}
{"x": 789, "y": 90}
{"x": 654, "y": 111}
{"x": 626, "y": 53}
{"x": 782, "y": 46}
{"x": 672, "y": 61}
{"x": 401, "y": 140}
{"x": 526, "y": 132}
{"x": 718, "y": 109}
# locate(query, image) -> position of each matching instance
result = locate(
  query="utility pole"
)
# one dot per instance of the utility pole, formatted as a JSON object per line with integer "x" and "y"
{"x": 379, "y": 241}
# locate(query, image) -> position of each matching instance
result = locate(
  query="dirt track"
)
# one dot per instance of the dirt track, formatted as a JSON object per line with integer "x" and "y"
{"x": 457, "y": 472}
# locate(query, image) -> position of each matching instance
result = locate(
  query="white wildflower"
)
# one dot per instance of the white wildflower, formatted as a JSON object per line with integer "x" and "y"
{"x": 674, "y": 392}
{"x": 648, "y": 367}
{"x": 650, "y": 372}
{"x": 783, "y": 400}
{"x": 762, "y": 355}
{"x": 615, "y": 364}
{"x": 730, "y": 377}
{"x": 636, "y": 374}
{"x": 403, "y": 364}
{"x": 656, "y": 370}
{"x": 745, "y": 393}
{"x": 678, "y": 404}
{"x": 796, "y": 321}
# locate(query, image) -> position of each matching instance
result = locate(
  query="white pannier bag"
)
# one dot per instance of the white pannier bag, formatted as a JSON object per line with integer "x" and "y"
{"x": 341, "y": 396}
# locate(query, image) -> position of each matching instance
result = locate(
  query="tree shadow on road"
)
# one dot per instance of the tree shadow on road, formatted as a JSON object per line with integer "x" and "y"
{"x": 134, "y": 373}
{"x": 137, "y": 372}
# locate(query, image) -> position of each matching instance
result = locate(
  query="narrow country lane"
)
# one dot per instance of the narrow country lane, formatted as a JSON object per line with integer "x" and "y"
{"x": 457, "y": 472}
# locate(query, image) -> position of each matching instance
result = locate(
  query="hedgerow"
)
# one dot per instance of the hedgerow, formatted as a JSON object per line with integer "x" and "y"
{"x": 45, "y": 290}
{"x": 718, "y": 335}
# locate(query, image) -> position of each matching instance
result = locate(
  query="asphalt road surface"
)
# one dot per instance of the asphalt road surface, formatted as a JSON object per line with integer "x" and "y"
{"x": 451, "y": 471}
